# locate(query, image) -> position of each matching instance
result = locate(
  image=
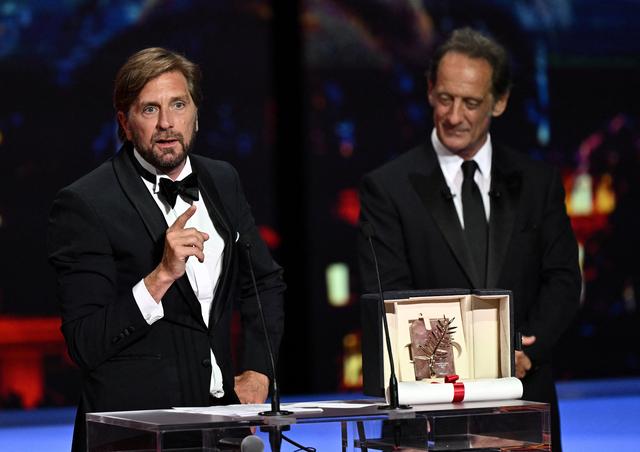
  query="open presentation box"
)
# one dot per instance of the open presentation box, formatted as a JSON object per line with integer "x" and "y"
{"x": 483, "y": 342}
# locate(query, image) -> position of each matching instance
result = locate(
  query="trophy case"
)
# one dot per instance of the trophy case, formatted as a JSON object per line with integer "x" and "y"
{"x": 436, "y": 335}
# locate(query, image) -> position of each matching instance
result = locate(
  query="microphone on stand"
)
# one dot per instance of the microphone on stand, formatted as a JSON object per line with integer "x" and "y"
{"x": 394, "y": 403}
{"x": 275, "y": 396}
{"x": 252, "y": 443}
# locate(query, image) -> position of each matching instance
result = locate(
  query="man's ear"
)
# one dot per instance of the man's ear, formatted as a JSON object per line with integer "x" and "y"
{"x": 430, "y": 93}
{"x": 124, "y": 123}
{"x": 197, "y": 125}
{"x": 500, "y": 105}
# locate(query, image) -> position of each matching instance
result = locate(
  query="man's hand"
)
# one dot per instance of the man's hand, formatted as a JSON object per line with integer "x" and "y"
{"x": 252, "y": 387}
{"x": 179, "y": 245}
{"x": 523, "y": 363}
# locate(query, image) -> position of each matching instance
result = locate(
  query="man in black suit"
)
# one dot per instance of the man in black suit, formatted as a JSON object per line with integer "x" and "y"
{"x": 463, "y": 212}
{"x": 152, "y": 251}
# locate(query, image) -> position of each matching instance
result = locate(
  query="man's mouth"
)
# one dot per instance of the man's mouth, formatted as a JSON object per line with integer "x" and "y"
{"x": 455, "y": 131}
{"x": 167, "y": 142}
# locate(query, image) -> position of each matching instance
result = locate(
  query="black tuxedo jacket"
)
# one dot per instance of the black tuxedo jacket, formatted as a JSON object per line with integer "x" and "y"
{"x": 531, "y": 251}
{"x": 105, "y": 234}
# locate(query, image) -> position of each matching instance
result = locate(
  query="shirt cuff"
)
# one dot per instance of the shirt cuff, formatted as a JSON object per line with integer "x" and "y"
{"x": 215, "y": 385}
{"x": 151, "y": 311}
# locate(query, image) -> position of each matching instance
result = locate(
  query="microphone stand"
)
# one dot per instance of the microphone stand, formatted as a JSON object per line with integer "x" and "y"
{"x": 275, "y": 437}
{"x": 275, "y": 396}
{"x": 394, "y": 402}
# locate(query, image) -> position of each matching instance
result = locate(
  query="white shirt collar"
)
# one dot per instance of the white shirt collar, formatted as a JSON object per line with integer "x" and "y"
{"x": 450, "y": 162}
{"x": 186, "y": 170}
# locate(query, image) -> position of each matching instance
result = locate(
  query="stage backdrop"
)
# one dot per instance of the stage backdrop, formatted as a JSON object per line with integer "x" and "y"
{"x": 574, "y": 104}
{"x": 304, "y": 102}
{"x": 57, "y": 65}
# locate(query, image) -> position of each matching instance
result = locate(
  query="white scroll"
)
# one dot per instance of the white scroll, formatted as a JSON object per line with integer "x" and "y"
{"x": 421, "y": 392}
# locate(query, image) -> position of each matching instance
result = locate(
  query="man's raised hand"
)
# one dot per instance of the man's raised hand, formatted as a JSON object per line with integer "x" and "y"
{"x": 179, "y": 245}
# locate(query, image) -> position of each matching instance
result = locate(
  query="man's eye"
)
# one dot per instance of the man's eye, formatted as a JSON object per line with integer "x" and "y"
{"x": 179, "y": 105}
{"x": 444, "y": 100}
{"x": 149, "y": 109}
{"x": 472, "y": 104}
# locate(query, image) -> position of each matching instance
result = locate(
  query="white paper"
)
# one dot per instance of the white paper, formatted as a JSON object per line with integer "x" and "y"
{"x": 244, "y": 410}
{"x": 330, "y": 404}
{"x": 417, "y": 393}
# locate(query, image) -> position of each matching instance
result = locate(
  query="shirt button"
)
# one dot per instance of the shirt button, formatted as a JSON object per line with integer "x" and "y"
{"x": 206, "y": 362}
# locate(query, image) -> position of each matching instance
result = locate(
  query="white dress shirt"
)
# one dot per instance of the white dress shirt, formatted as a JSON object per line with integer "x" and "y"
{"x": 203, "y": 276}
{"x": 451, "y": 165}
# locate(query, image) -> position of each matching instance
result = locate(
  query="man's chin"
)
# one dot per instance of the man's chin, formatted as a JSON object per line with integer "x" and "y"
{"x": 170, "y": 157}
{"x": 455, "y": 145}
{"x": 165, "y": 161}
{"x": 169, "y": 164}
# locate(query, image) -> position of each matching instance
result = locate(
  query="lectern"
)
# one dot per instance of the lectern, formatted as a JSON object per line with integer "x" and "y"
{"x": 503, "y": 425}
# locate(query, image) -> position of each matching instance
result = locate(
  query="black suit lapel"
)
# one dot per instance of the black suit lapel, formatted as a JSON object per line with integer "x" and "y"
{"x": 506, "y": 182}
{"x": 221, "y": 222}
{"x": 155, "y": 223}
{"x": 434, "y": 193}
{"x": 138, "y": 194}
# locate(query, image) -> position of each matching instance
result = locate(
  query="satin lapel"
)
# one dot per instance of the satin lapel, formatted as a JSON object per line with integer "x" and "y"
{"x": 212, "y": 200}
{"x": 506, "y": 183}
{"x": 434, "y": 193}
{"x": 138, "y": 194}
{"x": 153, "y": 220}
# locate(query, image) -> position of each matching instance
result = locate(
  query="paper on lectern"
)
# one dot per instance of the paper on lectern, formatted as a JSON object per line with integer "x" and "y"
{"x": 421, "y": 392}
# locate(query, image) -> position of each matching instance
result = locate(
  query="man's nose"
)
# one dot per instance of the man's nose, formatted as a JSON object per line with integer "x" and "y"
{"x": 165, "y": 119}
{"x": 454, "y": 115}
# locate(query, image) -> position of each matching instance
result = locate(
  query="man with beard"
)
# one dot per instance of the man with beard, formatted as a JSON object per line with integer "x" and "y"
{"x": 461, "y": 211}
{"x": 151, "y": 252}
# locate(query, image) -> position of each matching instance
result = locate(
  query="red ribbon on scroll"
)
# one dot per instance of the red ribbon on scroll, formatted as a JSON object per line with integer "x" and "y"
{"x": 458, "y": 388}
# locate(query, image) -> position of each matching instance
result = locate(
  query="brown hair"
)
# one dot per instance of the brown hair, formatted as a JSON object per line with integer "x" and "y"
{"x": 476, "y": 45}
{"x": 145, "y": 65}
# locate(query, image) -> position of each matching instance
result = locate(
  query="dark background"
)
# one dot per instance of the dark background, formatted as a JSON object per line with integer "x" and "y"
{"x": 303, "y": 98}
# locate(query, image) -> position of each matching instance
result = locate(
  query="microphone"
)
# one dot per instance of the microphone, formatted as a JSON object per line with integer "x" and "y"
{"x": 394, "y": 403}
{"x": 252, "y": 443}
{"x": 275, "y": 396}
{"x": 446, "y": 194}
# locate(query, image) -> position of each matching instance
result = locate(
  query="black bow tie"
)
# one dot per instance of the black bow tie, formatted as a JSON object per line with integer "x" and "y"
{"x": 187, "y": 187}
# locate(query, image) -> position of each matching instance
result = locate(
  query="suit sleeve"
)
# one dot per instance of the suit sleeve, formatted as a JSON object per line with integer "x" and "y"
{"x": 378, "y": 209}
{"x": 97, "y": 321}
{"x": 560, "y": 281}
{"x": 270, "y": 284}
